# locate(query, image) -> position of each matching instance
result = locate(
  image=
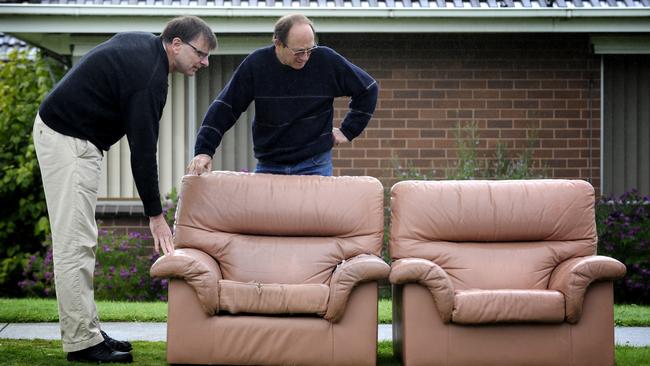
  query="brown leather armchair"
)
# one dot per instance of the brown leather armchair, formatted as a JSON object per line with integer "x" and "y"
{"x": 499, "y": 273}
{"x": 275, "y": 270}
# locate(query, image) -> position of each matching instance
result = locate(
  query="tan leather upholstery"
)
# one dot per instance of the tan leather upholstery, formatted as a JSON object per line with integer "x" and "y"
{"x": 263, "y": 298}
{"x": 275, "y": 264}
{"x": 499, "y": 273}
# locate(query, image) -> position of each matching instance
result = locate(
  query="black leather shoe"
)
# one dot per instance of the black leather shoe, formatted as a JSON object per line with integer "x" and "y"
{"x": 122, "y": 346}
{"x": 100, "y": 353}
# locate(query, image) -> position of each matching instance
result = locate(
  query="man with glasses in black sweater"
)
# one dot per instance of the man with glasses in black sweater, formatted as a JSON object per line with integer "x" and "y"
{"x": 118, "y": 88}
{"x": 293, "y": 83}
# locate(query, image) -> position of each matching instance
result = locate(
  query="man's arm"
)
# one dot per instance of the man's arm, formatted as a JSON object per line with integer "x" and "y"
{"x": 220, "y": 117}
{"x": 142, "y": 120}
{"x": 363, "y": 90}
{"x": 362, "y": 106}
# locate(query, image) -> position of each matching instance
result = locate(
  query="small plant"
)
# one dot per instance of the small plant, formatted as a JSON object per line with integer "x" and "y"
{"x": 169, "y": 207}
{"x": 624, "y": 233}
{"x": 503, "y": 166}
{"x": 468, "y": 165}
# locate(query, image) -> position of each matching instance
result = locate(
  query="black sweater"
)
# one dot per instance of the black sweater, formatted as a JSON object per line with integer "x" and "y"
{"x": 293, "y": 108}
{"x": 119, "y": 88}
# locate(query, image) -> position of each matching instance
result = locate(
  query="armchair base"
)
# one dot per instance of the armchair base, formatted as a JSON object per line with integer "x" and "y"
{"x": 193, "y": 337}
{"x": 421, "y": 338}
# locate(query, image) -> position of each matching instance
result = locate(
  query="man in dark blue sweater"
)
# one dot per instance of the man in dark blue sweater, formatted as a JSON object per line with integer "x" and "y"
{"x": 293, "y": 83}
{"x": 118, "y": 88}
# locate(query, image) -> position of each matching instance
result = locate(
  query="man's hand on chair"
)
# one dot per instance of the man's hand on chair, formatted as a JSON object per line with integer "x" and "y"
{"x": 200, "y": 164}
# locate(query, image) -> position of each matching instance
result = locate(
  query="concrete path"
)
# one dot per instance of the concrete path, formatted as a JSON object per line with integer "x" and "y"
{"x": 629, "y": 336}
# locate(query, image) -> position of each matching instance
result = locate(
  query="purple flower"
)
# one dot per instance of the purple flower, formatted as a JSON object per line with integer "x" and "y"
{"x": 124, "y": 274}
{"x": 48, "y": 257}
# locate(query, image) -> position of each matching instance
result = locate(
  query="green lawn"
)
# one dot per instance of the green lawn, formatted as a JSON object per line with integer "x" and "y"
{"x": 41, "y": 352}
{"x": 632, "y": 315}
{"x": 43, "y": 310}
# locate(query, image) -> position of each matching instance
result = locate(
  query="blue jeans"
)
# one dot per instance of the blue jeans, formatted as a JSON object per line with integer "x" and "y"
{"x": 320, "y": 164}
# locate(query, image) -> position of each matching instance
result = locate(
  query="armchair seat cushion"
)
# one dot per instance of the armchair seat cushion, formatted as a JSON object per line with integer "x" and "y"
{"x": 508, "y": 306}
{"x": 262, "y": 298}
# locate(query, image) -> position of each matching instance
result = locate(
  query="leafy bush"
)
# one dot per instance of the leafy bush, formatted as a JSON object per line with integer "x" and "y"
{"x": 121, "y": 270}
{"x": 624, "y": 233}
{"x": 24, "y": 82}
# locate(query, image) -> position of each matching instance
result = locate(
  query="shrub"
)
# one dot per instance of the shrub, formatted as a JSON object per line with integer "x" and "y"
{"x": 505, "y": 164}
{"x": 121, "y": 270}
{"x": 24, "y": 82}
{"x": 624, "y": 233}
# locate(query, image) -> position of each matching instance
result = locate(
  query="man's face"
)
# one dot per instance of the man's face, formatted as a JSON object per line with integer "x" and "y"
{"x": 300, "y": 43}
{"x": 192, "y": 55}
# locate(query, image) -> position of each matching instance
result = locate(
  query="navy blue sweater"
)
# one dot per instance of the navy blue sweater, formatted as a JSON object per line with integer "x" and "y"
{"x": 293, "y": 108}
{"x": 118, "y": 88}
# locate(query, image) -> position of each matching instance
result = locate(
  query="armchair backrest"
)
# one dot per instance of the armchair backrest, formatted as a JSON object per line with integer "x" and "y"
{"x": 493, "y": 234}
{"x": 279, "y": 229}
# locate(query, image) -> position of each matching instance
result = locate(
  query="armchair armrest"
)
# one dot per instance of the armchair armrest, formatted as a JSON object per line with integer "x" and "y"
{"x": 198, "y": 269}
{"x": 573, "y": 276}
{"x": 362, "y": 268}
{"x": 429, "y": 275}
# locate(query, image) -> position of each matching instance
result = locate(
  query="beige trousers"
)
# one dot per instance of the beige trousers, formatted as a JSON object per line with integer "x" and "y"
{"x": 70, "y": 168}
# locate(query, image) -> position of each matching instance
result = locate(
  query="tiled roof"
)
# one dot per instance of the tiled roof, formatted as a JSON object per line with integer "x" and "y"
{"x": 427, "y": 4}
{"x": 8, "y": 43}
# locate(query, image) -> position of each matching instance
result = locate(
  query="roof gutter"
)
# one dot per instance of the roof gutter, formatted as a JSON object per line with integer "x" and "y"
{"x": 115, "y": 18}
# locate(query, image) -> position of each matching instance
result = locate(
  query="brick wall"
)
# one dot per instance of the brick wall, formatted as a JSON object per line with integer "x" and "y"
{"x": 516, "y": 88}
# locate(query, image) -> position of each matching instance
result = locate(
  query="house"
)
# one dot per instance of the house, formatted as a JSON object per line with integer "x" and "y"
{"x": 572, "y": 76}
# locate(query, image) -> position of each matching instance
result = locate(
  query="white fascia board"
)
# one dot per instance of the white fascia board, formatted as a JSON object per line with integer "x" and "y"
{"x": 621, "y": 44}
{"x": 31, "y": 18}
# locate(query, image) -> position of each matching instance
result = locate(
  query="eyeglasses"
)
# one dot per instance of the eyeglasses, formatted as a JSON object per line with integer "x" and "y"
{"x": 302, "y": 51}
{"x": 199, "y": 53}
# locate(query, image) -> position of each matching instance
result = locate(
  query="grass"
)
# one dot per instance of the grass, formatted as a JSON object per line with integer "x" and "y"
{"x": 45, "y": 310}
{"x": 25, "y": 352}
{"x": 385, "y": 311}
{"x": 626, "y": 355}
{"x": 632, "y": 315}
{"x": 20, "y": 352}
